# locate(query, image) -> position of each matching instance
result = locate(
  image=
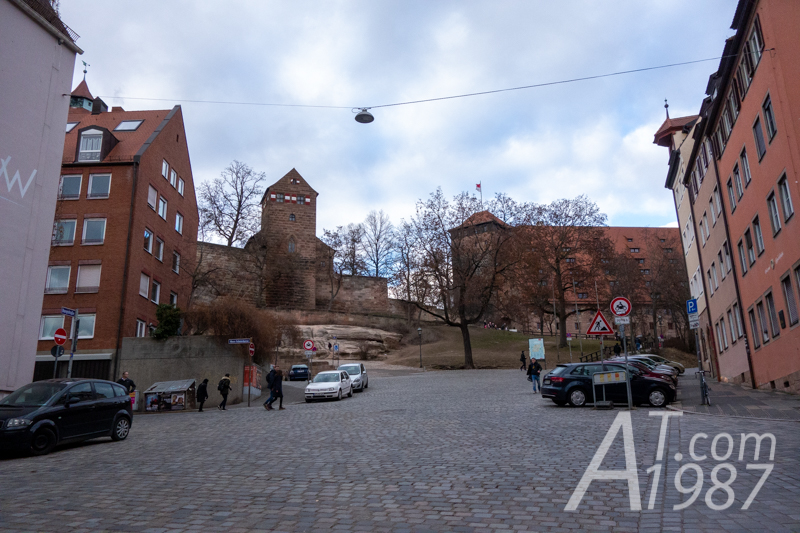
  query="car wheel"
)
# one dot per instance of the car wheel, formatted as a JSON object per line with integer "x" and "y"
{"x": 43, "y": 442}
{"x": 339, "y": 398}
{"x": 308, "y": 400}
{"x": 657, "y": 398}
{"x": 121, "y": 429}
{"x": 350, "y": 394}
{"x": 366, "y": 385}
{"x": 577, "y": 398}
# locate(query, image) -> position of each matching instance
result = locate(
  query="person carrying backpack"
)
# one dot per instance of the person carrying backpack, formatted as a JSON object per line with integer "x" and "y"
{"x": 270, "y": 384}
{"x": 533, "y": 371}
{"x": 224, "y": 389}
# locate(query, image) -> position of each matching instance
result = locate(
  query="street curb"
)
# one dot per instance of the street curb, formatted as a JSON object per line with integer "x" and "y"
{"x": 733, "y": 416}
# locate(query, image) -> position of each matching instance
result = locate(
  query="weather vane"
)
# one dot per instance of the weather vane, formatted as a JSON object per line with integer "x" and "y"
{"x": 85, "y": 64}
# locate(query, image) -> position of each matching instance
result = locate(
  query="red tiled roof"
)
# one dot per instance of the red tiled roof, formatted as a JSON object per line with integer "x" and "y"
{"x": 670, "y": 126}
{"x": 82, "y": 90}
{"x": 481, "y": 217}
{"x": 640, "y": 235}
{"x": 128, "y": 143}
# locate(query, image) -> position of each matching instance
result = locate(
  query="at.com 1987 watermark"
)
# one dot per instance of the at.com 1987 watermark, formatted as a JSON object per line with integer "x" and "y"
{"x": 719, "y": 495}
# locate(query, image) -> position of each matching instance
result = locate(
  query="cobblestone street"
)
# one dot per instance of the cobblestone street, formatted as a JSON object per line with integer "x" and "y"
{"x": 435, "y": 451}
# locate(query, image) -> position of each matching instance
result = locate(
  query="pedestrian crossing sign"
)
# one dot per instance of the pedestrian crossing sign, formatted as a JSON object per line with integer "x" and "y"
{"x": 599, "y": 326}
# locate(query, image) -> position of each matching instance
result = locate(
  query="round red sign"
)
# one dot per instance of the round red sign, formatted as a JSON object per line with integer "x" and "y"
{"x": 252, "y": 349}
{"x": 621, "y": 306}
{"x": 60, "y": 336}
{"x": 308, "y": 345}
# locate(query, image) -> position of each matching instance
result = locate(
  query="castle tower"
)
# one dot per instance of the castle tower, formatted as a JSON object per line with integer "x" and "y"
{"x": 289, "y": 225}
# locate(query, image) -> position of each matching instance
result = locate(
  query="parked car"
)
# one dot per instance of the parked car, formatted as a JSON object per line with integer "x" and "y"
{"x": 646, "y": 364}
{"x": 298, "y": 373}
{"x": 358, "y": 374}
{"x": 661, "y": 361}
{"x": 573, "y": 383}
{"x": 41, "y": 415}
{"x": 329, "y": 384}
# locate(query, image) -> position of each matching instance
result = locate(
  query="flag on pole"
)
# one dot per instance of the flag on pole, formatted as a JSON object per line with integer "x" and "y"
{"x": 478, "y": 187}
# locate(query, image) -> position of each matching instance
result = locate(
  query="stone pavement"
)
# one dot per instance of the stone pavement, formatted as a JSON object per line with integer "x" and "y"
{"x": 728, "y": 399}
{"x": 468, "y": 451}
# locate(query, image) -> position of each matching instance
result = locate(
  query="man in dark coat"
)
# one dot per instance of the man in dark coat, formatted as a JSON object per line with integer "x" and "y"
{"x": 224, "y": 389}
{"x": 533, "y": 371}
{"x": 522, "y": 360}
{"x": 270, "y": 384}
{"x": 277, "y": 390}
{"x": 617, "y": 349}
{"x": 127, "y": 382}
{"x": 202, "y": 394}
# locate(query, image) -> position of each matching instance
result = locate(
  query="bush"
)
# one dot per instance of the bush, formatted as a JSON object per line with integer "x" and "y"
{"x": 169, "y": 321}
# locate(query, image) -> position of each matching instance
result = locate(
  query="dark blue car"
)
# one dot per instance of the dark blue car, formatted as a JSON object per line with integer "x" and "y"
{"x": 298, "y": 373}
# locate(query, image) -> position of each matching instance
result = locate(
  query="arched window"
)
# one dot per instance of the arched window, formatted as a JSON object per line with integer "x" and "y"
{"x": 291, "y": 246}
{"x": 291, "y": 217}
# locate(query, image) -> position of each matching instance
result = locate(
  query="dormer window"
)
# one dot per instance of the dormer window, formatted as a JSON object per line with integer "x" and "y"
{"x": 91, "y": 141}
{"x": 128, "y": 125}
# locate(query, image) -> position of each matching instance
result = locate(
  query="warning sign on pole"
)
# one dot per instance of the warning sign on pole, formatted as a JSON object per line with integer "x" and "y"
{"x": 599, "y": 326}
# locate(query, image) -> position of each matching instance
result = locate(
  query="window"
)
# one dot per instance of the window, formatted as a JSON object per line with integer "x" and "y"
{"x": 291, "y": 218}
{"x": 152, "y": 197}
{"x": 738, "y": 316}
{"x": 173, "y": 177}
{"x": 569, "y": 260}
{"x": 176, "y": 262}
{"x": 721, "y": 264}
{"x": 724, "y": 333}
{"x": 155, "y": 292}
{"x": 773, "y": 315}
{"x": 710, "y": 284}
{"x": 583, "y": 295}
{"x": 86, "y": 326}
{"x": 759, "y": 236}
{"x": 731, "y": 196}
{"x": 180, "y": 186}
{"x": 645, "y": 271}
{"x": 159, "y": 250}
{"x": 791, "y": 303}
{"x": 726, "y": 251}
{"x": 786, "y": 198}
{"x": 774, "y": 217}
{"x": 88, "y": 278}
{"x": 733, "y": 328}
{"x": 128, "y": 125}
{"x": 762, "y": 318}
{"x": 745, "y": 165}
{"x": 291, "y": 246}
{"x": 94, "y": 231}
{"x": 99, "y": 186}
{"x": 49, "y": 326}
{"x": 70, "y": 188}
{"x": 71, "y": 125}
{"x": 64, "y": 232}
{"x": 758, "y": 134}
{"x": 719, "y": 337}
{"x": 748, "y": 241}
{"x": 630, "y": 240}
{"x": 640, "y": 261}
{"x": 742, "y": 259}
{"x": 711, "y": 211}
{"x": 737, "y": 182}
{"x": 179, "y": 223}
{"x": 754, "y": 328}
{"x": 706, "y": 226}
{"x": 714, "y": 275}
{"x": 301, "y": 199}
{"x": 165, "y": 168}
{"x": 769, "y": 118}
{"x": 173, "y": 299}
{"x": 91, "y": 141}
{"x": 755, "y": 43}
{"x": 717, "y": 201}
{"x": 148, "y": 241}
{"x": 144, "y": 285}
{"x": 162, "y": 208}
{"x": 103, "y": 390}
{"x": 141, "y": 328}
{"x": 57, "y": 280}
{"x": 634, "y": 250}
{"x": 279, "y": 197}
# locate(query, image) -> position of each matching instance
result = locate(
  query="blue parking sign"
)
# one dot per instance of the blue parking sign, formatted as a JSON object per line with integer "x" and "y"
{"x": 691, "y": 306}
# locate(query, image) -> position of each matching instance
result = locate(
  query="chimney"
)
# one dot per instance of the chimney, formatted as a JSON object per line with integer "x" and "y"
{"x": 98, "y": 106}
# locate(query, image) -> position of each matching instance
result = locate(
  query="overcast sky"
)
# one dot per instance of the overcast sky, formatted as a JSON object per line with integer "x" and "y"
{"x": 592, "y": 137}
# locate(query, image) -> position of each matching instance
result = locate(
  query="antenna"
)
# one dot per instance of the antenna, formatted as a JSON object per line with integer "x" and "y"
{"x": 666, "y": 105}
{"x": 85, "y": 64}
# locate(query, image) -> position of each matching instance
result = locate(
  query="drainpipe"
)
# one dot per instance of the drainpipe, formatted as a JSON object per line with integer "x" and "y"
{"x": 127, "y": 267}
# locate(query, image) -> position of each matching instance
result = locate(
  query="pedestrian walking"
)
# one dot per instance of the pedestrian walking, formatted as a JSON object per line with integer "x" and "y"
{"x": 277, "y": 390}
{"x": 533, "y": 371}
{"x": 270, "y": 384}
{"x": 617, "y": 349}
{"x": 522, "y": 360}
{"x": 127, "y": 382}
{"x": 202, "y": 394}
{"x": 224, "y": 389}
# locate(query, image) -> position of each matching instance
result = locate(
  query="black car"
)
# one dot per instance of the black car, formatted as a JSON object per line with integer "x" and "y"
{"x": 298, "y": 373}
{"x": 573, "y": 383}
{"x": 41, "y": 415}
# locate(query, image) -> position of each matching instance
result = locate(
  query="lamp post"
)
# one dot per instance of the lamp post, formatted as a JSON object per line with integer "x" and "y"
{"x": 419, "y": 332}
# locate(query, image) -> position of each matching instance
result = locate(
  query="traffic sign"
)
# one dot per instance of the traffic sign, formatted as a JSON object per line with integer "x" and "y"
{"x": 308, "y": 345}
{"x": 238, "y": 341}
{"x": 335, "y": 347}
{"x": 599, "y": 326}
{"x": 252, "y": 349}
{"x": 621, "y": 306}
{"x": 60, "y": 336}
{"x": 622, "y": 320}
{"x": 67, "y": 311}
{"x": 691, "y": 306}
{"x": 694, "y": 324}
{"x": 309, "y": 353}
{"x": 569, "y": 337}
{"x": 57, "y": 351}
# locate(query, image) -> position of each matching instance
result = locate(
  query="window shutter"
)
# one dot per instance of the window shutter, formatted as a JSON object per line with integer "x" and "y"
{"x": 88, "y": 276}
{"x": 144, "y": 285}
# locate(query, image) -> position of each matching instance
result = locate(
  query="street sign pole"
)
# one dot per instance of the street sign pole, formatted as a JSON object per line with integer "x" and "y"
{"x": 76, "y": 322}
{"x": 627, "y": 368}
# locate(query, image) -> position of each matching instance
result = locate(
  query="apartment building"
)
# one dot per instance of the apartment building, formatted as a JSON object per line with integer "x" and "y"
{"x": 124, "y": 233}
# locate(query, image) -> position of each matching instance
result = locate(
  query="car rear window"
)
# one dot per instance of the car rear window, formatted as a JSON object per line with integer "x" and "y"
{"x": 560, "y": 369}
{"x": 104, "y": 390}
{"x": 119, "y": 390}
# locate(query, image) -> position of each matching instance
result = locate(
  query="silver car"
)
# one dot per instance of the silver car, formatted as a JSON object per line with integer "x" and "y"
{"x": 358, "y": 374}
{"x": 331, "y": 384}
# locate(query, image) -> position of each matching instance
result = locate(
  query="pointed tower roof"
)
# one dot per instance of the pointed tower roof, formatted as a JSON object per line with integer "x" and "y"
{"x": 82, "y": 91}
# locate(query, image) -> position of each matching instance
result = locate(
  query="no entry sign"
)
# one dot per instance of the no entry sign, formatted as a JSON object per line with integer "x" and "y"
{"x": 60, "y": 336}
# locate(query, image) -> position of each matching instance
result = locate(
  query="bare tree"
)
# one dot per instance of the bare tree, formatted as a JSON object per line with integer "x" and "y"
{"x": 229, "y": 205}
{"x": 463, "y": 254}
{"x": 378, "y": 243}
{"x": 332, "y": 248}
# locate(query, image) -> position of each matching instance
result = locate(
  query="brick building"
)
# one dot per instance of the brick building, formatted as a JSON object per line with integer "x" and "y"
{"x": 285, "y": 265}
{"x": 742, "y": 175}
{"x": 126, "y": 220}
